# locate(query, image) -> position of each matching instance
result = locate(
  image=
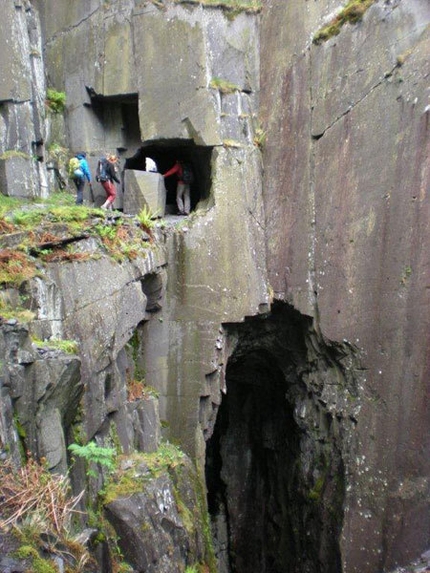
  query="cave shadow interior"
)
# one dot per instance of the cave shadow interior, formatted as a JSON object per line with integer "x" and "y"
{"x": 265, "y": 515}
{"x": 165, "y": 155}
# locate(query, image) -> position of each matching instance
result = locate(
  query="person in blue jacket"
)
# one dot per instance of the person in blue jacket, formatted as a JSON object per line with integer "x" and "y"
{"x": 80, "y": 182}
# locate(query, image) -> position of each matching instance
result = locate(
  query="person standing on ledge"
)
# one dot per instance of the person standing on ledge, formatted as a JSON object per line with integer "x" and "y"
{"x": 81, "y": 172}
{"x": 184, "y": 175}
{"x": 106, "y": 175}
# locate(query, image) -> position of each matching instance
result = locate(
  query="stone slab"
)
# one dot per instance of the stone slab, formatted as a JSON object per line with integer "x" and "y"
{"x": 144, "y": 189}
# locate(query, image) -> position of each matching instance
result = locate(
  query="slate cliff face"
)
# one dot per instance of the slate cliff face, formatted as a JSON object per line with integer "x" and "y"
{"x": 284, "y": 325}
{"x": 346, "y": 193}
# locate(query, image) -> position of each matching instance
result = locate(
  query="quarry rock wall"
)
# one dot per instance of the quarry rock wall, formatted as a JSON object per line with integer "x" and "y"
{"x": 346, "y": 194}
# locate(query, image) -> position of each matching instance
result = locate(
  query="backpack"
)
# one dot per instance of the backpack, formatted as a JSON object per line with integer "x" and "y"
{"x": 102, "y": 169}
{"x": 75, "y": 169}
{"x": 187, "y": 173}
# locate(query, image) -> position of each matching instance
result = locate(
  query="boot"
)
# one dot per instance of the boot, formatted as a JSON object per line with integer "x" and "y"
{"x": 105, "y": 205}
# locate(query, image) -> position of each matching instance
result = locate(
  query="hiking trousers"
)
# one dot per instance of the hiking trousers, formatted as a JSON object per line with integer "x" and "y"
{"x": 110, "y": 189}
{"x": 80, "y": 184}
{"x": 183, "y": 198}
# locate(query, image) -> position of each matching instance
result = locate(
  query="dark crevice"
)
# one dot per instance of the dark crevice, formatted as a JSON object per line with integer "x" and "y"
{"x": 275, "y": 475}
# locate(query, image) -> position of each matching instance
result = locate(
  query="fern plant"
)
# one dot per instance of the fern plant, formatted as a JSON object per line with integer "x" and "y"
{"x": 95, "y": 454}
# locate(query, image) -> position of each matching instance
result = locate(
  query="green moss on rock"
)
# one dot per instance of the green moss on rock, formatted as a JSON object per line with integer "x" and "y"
{"x": 352, "y": 12}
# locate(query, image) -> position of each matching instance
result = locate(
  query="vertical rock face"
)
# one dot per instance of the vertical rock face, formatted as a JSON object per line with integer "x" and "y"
{"x": 309, "y": 413}
{"x": 347, "y": 221}
{"x": 190, "y": 74}
{"x": 22, "y": 97}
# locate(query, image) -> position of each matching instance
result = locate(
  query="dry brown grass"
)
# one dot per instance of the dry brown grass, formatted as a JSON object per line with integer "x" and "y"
{"x": 37, "y": 508}
{"x": 135, "y": 390}
{"x": 6, "y": 227}
{"x": 32, "y": 489}
{"x": 15, "y": 267}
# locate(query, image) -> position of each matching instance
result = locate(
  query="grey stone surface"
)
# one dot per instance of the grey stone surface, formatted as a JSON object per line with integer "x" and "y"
{"x": 45, "y": 393}
{"x": 344, "y": 212}
{"x": 15, "y": 75}
{"x": 144, "y": 189}
{"x": 52, "y": 443}
{"x": 143, "y": 416}
{"x": 17, "y": 177}
{"x": 22, "y": 93}
{"x": 342, "y": 219}
{"x": 160, "y": 527}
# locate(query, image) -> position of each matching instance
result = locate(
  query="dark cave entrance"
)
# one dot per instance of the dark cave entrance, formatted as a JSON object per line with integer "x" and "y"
{"x": 164, "y": 154}
{"x": 118, "y": 119}
{"x": 275, "y": 492}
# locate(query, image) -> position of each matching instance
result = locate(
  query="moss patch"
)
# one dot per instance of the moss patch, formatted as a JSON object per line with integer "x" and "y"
{"x": 14, "y": 153}
{"x": 223, "y": 86}
{"x": 50, "y": 233}
{"x": 352, "y": 12}
{"x": 147, "y": 466}
{"x": 233, "y": 6}
{"x": 66, "y": 346}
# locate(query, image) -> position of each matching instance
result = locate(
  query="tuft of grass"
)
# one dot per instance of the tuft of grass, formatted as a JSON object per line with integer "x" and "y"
{"x": 232, "y": 143}
{"x": 22, "y": 315}
{"x": 39, "y": 565}
{"x": 57, "y": 152}
{"x": 223, "y": 86}
{"x": 120, "y": 238}
{"x": 36, "y": 502}
{"x": 119, "y": 241}
{"x": 26, "y": 217}
{"x": 67, "y": 346}
{"x": 60, "y": 199}
{"x": 138, "y": 390}
{"x": 259, "y": 137}
{"x": 352, "y": 12}
{"x": 124, "y": 482}
{"x": 9, "y": 204}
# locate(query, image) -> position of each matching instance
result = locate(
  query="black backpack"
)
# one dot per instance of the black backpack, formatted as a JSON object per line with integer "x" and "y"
{"x": 102, "y": 169}
{"x": 187, "y": 173}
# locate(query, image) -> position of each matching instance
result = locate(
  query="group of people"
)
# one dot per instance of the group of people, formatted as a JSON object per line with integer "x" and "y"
{"x": 106, "y": 174}
{"x": 184, "y": 177}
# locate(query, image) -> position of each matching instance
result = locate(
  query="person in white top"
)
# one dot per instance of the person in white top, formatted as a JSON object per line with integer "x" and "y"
{"x": 150, "y": 165}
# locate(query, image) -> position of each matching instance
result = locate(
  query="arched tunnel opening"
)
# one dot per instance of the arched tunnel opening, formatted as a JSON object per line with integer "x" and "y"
{"x": 274, "y": 474}
{"x": 164, "y": 154}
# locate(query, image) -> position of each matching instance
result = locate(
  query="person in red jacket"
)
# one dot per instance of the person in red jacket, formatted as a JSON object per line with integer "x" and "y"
{"x": 183, "y": 188}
